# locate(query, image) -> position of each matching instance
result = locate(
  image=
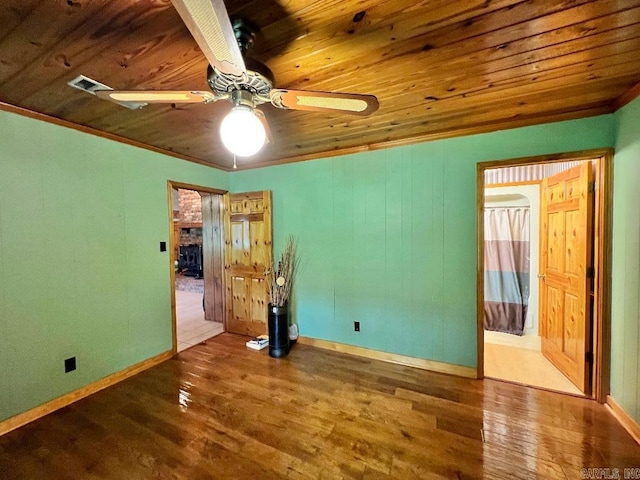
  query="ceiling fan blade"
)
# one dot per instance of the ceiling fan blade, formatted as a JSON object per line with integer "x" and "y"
{"x": 156, "y": 96}
{"x": 261, "y": 116}
{"x": 208, "y": 22}
{"x": 324, "y": 101}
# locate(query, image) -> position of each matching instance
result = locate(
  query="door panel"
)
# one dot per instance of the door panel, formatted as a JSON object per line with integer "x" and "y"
{"x": 566, "y": 215}
{"x": 239, "y": 298}
{"x": 575, "y": 237}
{"x": 572, "y": 324}
{"x": 553, "y": 326}
{"x": 212, "y": 257}
{"x": 247, "y": 254}
{"x": 258, "y": 300}
{"x": 555, "y": 239}
{"x": 258, "y": 249}
{"x": 237, "y": 242}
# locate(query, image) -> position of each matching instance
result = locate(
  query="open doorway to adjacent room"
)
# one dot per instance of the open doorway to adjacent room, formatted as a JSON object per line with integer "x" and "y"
{"x": 196, "y": 264}
{"x": 543, "y": 283}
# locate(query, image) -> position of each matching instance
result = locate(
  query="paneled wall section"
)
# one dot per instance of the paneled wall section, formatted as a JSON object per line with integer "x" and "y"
{"x": 388, "y": 238}
{"x": 81, "y": 220}
{"x": 625, "y": 314}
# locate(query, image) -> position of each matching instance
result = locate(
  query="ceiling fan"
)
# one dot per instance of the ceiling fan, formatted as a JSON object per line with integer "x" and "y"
{"x": 243, "y": 81}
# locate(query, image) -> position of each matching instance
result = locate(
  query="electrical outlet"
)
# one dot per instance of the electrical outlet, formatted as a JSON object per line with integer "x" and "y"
{"x": 356, "y": 326}
{"x": 69, "y": 364}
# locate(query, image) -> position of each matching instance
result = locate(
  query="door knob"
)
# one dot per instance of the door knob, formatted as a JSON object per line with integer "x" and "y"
{"x": 542, "y": 276}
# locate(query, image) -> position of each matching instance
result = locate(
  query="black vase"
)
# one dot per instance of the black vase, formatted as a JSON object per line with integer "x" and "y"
{"x": 278, "y": 319}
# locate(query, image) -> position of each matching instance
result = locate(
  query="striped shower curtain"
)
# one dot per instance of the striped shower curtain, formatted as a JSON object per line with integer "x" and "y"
{"x": 506, "y": 268}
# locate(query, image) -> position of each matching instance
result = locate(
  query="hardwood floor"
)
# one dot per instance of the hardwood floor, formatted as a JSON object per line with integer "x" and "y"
{"x": 221, "y": 410}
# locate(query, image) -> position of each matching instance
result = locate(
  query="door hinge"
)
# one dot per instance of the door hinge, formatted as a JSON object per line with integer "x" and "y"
{"x": 592, "y": 186}
{"x": 588, "y": 357}
{"x": 591, "y": 272}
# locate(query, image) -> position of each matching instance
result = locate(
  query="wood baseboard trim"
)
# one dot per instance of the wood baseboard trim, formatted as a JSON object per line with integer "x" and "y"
{"x": 40, "y": 411}
{"x": 433, "y": 366}
{"x": 629, "y": 424}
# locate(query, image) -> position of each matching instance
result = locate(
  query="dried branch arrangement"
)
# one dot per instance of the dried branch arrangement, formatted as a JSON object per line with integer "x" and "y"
{"x": 280, "y": 276}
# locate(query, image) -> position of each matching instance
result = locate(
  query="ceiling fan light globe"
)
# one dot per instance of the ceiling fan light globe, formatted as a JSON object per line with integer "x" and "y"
{"x": 242, "y": 132}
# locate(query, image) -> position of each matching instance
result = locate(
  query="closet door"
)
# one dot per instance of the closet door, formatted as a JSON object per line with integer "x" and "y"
{"x": 248, "y": 252}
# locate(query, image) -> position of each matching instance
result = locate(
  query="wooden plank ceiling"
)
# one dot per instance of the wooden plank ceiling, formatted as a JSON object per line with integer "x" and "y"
{"x": 439, "y": 68}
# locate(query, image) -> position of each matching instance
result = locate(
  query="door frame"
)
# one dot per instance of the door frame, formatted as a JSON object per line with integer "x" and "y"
{"x": 602, "y": 232}
{"x": 171, "y": 185}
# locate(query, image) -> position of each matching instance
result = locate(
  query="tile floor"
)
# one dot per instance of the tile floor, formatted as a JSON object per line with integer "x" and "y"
{"x": 505, "y": 359}
{"x": 192, "y": 328}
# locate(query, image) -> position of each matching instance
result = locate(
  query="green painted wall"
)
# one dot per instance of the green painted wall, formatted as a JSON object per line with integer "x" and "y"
{"x": 625, "y": 312}
{"x": 81, "y": 219}
{"x": 388, "y": 238}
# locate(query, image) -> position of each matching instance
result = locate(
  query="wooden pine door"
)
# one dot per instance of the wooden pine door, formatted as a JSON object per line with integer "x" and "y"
{"x": 212, "y": 261}
{"x": 565, "y": 262}
{"x": 248, "y": 252}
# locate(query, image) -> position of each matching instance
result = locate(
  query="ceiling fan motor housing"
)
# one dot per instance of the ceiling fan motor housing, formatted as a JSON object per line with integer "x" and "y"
{"x": 259, "y": 79}
{"x": 242, "y": 97}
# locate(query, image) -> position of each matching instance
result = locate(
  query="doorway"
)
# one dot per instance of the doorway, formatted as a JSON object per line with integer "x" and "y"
{"x": 196, "y": 264}
{"x": 529, "y": 329}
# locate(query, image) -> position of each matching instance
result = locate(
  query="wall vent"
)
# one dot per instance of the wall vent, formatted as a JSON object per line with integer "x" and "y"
{"x": 89, "y": 85}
